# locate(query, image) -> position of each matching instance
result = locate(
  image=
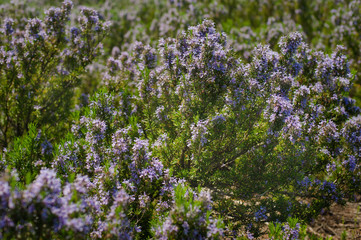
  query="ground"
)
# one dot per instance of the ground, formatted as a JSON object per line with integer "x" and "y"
{"x": 337, "y": 220}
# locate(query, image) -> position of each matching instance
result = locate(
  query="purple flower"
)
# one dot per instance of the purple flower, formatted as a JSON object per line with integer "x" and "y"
{"x": 46, "y": 181}
{"x": 261, "y": 214}
{"x": 351, "y": 163}
{"x": 34, "y": 29}
{"x": 278, "y": 107}
{"x": 4, "y": 194}
{"x": 199, "y": 132}
{"x": 290, "y": 43}
{"x": 46, "y": 147}
{"x": 8, "y": 26}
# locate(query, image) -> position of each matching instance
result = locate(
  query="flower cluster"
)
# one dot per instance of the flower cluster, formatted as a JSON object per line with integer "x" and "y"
{"x": 189, "y": 217}
{"x": 44, "y": 208}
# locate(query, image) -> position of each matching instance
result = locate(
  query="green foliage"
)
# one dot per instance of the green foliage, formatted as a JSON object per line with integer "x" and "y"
{"x": 28, "y": 154}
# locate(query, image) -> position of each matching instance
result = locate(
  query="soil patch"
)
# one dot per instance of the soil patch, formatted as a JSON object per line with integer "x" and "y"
{"x": 337, "y": 221}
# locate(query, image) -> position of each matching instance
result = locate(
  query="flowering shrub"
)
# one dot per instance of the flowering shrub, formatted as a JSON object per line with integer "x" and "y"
{"x": 40, "y": 65}
{"x": 109, "y": 186}
{"x": 269, "y": 124}
{"x": 271, "y": 135}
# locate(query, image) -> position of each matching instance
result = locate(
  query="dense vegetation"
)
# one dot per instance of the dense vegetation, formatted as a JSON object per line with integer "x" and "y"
{"x": 177, "y": 119}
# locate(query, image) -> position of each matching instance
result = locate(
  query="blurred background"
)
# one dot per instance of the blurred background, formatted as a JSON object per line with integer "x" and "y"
{"x": 324, "y": 24}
